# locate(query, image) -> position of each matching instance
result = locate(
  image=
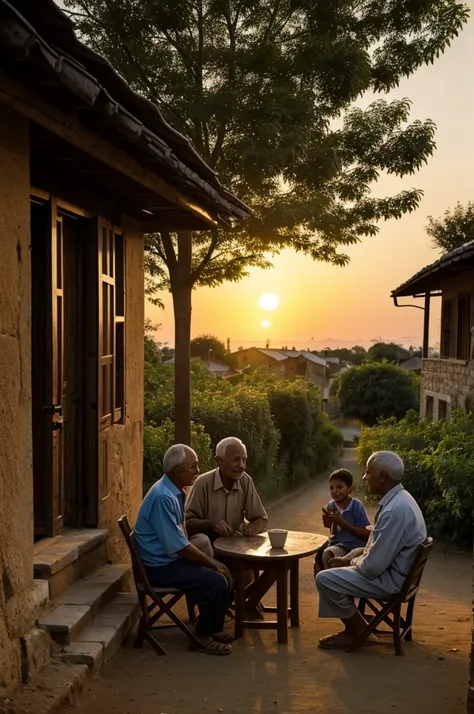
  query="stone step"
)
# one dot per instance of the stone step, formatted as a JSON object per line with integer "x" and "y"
{"x": 75, "y": 608}
{"x": 101, "y": 639}
{"x": 66, "y": 558}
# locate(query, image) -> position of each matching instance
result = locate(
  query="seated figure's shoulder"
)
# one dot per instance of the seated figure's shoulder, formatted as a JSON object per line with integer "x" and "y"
{"x": 204, "y": 479}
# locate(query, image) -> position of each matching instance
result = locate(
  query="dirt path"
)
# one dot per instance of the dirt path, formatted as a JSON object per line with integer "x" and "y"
{"x": 261, "y": 677}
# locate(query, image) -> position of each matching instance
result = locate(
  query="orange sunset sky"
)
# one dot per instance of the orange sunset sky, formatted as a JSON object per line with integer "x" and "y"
{"x": 323, "y": 305}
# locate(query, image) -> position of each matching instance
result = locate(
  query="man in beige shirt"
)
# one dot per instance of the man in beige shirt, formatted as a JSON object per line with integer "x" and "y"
{"x": 224, "y": 501}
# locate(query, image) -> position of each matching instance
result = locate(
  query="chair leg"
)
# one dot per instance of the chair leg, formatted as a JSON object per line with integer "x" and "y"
{"x": 409, "y": 620}
{"x": 155, "y": 644}
{"x": 361, "y": 606}
{"x": 397, "y": 640}
{"x": 371, "y": 627}
{"x": 140, "y": 633}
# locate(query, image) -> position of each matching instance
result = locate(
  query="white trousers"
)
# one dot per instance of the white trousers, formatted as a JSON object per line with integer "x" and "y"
{"x": 338, "y": 587}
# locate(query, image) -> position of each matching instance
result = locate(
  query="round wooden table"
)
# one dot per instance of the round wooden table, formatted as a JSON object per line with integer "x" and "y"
{"x": 273, "y": 564}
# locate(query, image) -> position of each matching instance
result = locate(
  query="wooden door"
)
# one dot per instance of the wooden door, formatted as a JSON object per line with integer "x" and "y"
{"x": 47, "y": 366}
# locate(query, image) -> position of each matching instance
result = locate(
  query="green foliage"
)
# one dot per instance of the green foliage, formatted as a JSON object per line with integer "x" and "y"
{"x": 157, "y": 439}
{"x": 439, "y": 463}
{"x": 288, "y": 439}
{"x": 209, "y": 347}
{"x": 353, "y": 356}
{"x": 256, "y": 86}
{"x": 376, "y": 390}
{"x": 387, "y": 351}
{"x": 455, "y": 228}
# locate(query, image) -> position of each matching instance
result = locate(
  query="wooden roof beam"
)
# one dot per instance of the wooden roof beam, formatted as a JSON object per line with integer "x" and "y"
{"x": 68, "y": 128}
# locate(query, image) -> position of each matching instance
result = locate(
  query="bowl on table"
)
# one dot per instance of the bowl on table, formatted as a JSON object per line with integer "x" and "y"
{"x": 277, "y": 537}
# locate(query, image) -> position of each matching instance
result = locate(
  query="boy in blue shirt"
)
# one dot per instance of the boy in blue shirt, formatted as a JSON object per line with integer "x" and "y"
{"x": 347, "y": 519}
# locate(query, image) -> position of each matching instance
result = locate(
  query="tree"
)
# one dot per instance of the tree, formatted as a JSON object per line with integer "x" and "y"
{"x": 455, "y": 228}
{"x": 209, "y": 347}
{"x": 256, "y": 86}
{"x": 376, "y": 391}
{"x": 389, "y": 351}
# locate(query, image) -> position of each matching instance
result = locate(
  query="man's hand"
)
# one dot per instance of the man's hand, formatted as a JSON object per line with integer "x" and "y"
{"x": 223, "y": 529}
{"x": 251, "y": 529}
{"x": 221, "y": 568}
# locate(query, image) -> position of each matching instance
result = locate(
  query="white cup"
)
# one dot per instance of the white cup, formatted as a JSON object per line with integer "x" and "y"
{"x": 277, "y": 537}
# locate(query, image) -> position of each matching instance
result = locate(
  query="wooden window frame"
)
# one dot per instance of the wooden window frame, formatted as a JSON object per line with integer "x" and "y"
{"x": 446, "y": 329}
{"x": 463, "y": 332}
{"x": 111, "y": 399}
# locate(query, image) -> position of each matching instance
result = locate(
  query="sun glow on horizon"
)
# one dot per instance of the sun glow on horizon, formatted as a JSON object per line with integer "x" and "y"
{"x": 269, "y": 301}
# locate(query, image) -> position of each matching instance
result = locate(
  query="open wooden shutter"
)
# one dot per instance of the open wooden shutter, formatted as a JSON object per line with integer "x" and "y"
{"x": 111, "y": 397}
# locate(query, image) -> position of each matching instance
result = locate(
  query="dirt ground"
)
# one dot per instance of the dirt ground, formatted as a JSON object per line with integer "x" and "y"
{"x": 262, "y": 677}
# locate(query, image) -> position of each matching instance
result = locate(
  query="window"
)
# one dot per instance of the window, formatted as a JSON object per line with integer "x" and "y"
{"x": 111, "y": 325}
{"x": 442, "y": 409}
{"x": 429, "y": 407}
{"x": 464, "y": 326}
{"x": 446, "y": 328}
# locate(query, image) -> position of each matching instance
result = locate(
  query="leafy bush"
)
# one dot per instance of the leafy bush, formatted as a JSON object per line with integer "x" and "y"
{"x": 439, "y": 463}
{"x": 243, "y": 412}
{"x": 377, "y": 390}
{"x": 157, "y": 439}
{"x": 288, "y": 439}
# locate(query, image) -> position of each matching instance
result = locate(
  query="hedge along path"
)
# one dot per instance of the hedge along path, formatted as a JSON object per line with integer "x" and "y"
{"x": 261, "y": 677}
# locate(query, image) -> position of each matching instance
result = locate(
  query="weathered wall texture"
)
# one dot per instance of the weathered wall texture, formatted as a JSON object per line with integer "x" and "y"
{"x": 16, "y": 486}
{"x": 126, "y": 440}
{"x": 448, "y": 380}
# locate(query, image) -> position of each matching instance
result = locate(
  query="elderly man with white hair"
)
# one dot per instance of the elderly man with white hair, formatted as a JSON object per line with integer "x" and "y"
{"x": 380, "y": 570}
{"x": 170, "y": 559}
{"x": 225, "y": 501}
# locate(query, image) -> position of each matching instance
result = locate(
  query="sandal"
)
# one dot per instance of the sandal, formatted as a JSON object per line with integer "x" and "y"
{"x": 211, "y": 647}
{"x": 223, "y": 637}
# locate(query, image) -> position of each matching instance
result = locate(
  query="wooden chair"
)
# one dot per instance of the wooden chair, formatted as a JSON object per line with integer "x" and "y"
{"x": 154, "y": 602}
{"x": 390, "y": 611}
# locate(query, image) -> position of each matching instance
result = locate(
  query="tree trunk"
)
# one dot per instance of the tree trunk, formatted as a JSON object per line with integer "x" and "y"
{"x": 181, "y": 289}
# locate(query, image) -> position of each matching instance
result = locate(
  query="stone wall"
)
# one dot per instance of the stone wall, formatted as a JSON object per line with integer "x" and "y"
{"x": 126, "y": 440}
{"x": 446, "y": 380}
{"x": 17, "y": 594}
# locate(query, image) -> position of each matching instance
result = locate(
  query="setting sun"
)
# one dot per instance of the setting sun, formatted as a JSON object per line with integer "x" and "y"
{"x": 265, "y": 323}
{"x": 268, "y": 301}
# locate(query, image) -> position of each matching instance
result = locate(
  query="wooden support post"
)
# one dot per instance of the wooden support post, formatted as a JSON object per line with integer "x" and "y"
{"x": 426, "y": 325}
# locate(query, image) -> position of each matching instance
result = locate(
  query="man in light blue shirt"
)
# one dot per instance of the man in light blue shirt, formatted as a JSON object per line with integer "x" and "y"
{"x": 169, "y": 558}
{"x": 390, "y": 551}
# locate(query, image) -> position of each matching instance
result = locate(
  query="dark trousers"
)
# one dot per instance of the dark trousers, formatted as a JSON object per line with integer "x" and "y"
{"x": 207, "y": 588}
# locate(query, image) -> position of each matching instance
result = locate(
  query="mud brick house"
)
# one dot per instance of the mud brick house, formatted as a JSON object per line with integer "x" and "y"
{"x": 87, "y": 166}
{"x": 448, "y": 381}
{"x": 284, "y": 363}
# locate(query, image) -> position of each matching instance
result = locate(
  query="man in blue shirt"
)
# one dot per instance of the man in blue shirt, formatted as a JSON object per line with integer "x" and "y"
{"x": 380, "y": 571}
{"x": 171, "y": 560}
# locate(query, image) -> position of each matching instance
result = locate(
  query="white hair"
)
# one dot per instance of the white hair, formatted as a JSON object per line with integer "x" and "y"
{"x": 390, "y": 462}
{"x": 175, "y": 456}
{"x": 223, "y": 445}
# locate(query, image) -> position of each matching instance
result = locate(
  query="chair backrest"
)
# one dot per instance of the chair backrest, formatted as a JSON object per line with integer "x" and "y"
{"x": 139, "y": 573}
{"x": 413, "y": 578}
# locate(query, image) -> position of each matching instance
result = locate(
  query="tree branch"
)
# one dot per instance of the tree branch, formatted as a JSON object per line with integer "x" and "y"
{"x": 197, "y": 272}
{"x": 170, "y": 259}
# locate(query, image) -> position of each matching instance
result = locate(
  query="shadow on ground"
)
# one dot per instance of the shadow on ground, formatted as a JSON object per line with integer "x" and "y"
{"x": 261, "y": 677}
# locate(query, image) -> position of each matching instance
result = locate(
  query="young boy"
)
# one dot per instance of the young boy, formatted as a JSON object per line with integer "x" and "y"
{"x": 347, "y": 519}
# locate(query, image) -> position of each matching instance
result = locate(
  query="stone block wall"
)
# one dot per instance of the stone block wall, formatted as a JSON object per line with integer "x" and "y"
{"x": 447, "y": 380}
